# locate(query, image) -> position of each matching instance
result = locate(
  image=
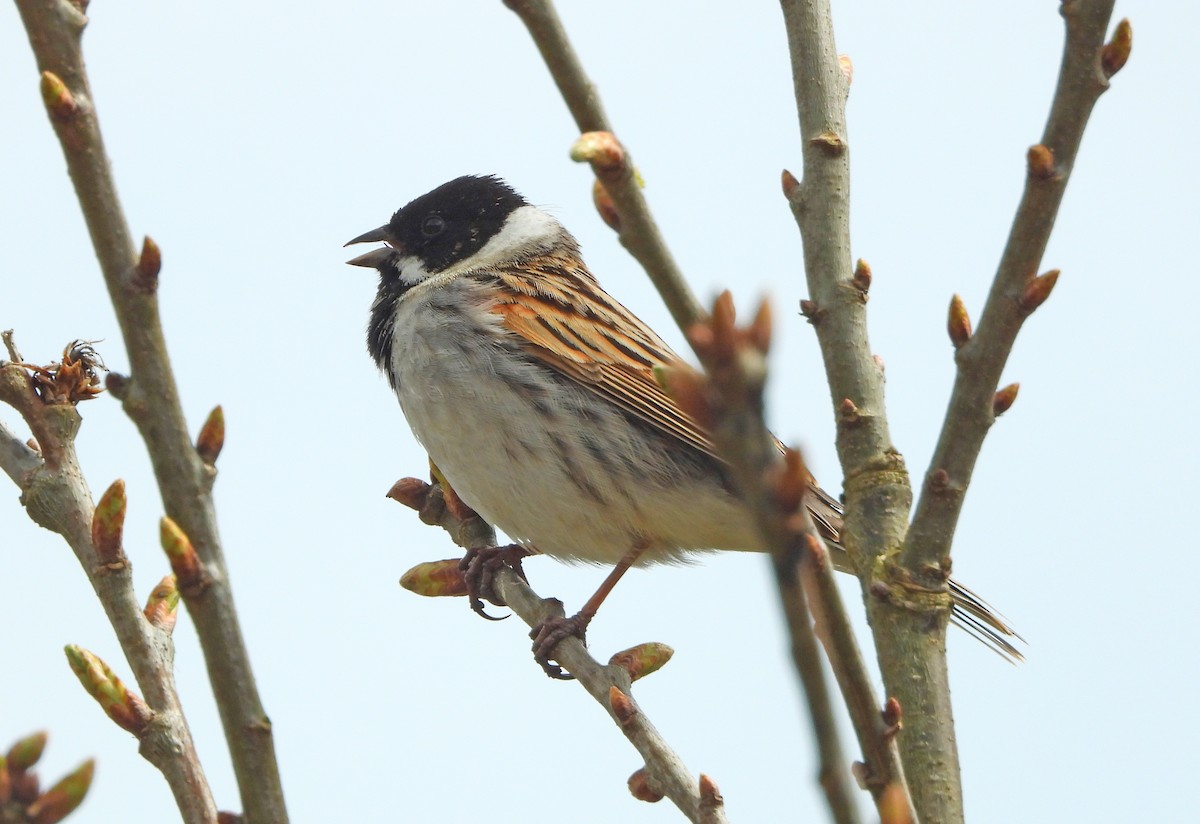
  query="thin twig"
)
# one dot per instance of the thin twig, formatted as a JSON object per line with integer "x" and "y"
{"x": 151, "y": 398}
{"x": 806, "y": 656}
{"x": 731, "y": 397}
{"x": 665, "y": 769}
{"x": 638, "y": 232}
{"x": 56, "y": 497}
{"x": 969, "y": 416}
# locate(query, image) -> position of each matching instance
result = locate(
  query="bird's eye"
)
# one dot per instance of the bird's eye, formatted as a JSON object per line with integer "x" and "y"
{"x": 432, "y": 226}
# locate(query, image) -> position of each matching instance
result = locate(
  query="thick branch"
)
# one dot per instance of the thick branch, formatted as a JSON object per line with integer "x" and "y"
{"x": 908, "y": 624}
{"x": 665, "y": 769}
{"x": 151, "y": 398}
{"x": 56, "y": 497}
{"x": 637, "y": 229}
{"x": 1081, "y": 80}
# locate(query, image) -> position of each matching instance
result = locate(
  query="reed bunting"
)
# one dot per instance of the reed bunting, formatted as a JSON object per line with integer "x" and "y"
{"x": 533, "y": 391}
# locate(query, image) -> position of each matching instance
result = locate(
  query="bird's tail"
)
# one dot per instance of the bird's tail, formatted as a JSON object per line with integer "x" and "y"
{"x": 971, "y": 612}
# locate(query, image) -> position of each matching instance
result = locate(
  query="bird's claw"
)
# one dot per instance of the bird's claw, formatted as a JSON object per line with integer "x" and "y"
{"x": 479, "y": 567}
{"x": 547, "y": 635}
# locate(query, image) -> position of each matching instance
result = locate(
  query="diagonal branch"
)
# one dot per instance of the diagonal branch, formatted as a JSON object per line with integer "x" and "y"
{"x": 1015, "y": 291}
{"x": 608, "y": 684}
{"x": 56, "y": 496}
{"x": 151, "y": 398}
{"x": 636, "y": 228}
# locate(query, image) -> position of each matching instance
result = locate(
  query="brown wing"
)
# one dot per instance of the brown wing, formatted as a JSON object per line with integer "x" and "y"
{"x": 569, "y": 323}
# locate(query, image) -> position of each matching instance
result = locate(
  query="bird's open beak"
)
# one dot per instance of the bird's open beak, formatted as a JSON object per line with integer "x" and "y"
{"x": 373, "y": 236}
{"x": 374, "y": 258}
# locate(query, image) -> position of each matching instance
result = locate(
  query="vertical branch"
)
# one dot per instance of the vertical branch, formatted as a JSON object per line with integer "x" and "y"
{"x": 909, "y": 625}
{"x": 150, "y": 396}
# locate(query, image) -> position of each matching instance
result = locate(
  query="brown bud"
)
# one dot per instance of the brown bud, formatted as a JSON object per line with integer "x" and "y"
{"x": 848, "y": 412}
{"x": 602, "y": 150}
{"x": 435, "y": 579}
{"x": 758, "y": 333}
{"x": 791, "y": 481}
{"x": 1003, "y": 400}
{"x": 162, "y": 607}
{"x": 61, "y": 800}
{"x": 893, "y": 717}
{"x": 108, "y": 523}
{"x": 409, "y": 491}
{"x": 791, "y": 186}
{"x": 149, "y": 264}
{"x": 60, "y": 103}
{"x": 26, "y": 752}
{"x": 212, "y": 437}
{"x": 1037, "y": 290}
{"x": 622, "y": 707}
{"x": 643, "y": 659}
{"x": 710, "y": 796}
{"x": 959, "y": 323}
{"x": 862, "y": 276}
{"x": 1115, "y": 53}
{"x": 809, "y": 309}
{"x": 639, "y": 787}
{"x": 605, "y": 206}
{"x": 939, "y": 480}
{"x": 1041, "y": 162}
{"x": 724, "y": 319}
{"x": 185, "y": 563}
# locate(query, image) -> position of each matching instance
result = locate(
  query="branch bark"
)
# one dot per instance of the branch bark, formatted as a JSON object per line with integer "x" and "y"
{"x": 636, "y": 229}
{"x": 56, "y": 497}
{"x": 151, "y": 399}
{"x": 904, "y": 571}
{"x": 667, "y": 774}
{"x": 1081, "y": 80}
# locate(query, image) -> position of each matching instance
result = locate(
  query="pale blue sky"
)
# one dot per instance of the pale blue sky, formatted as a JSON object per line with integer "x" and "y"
{"x": 251, "y": 141}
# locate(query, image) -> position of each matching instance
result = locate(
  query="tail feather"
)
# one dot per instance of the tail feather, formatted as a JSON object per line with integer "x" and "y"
{"x": 971, "y": 613}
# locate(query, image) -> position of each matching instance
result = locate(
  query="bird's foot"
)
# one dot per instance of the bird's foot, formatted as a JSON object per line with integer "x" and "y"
{"x": 479, "y": 567}
{"x": 549, "y": 633}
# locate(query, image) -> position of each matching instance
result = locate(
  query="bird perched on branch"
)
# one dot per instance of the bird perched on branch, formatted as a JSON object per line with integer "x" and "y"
{"x": 534, "y": 393}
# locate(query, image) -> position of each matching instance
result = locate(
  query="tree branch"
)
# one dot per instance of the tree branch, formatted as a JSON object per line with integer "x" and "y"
{"x": 909, "y": 625}
{"x": 56, "y": 497}
{"x": 608, "y": 684}
{"x": 1015, "y": 292}
{"x": 151, "y": 398}
{"x": 730, "y": 398}
{"x": 635, "y": 225}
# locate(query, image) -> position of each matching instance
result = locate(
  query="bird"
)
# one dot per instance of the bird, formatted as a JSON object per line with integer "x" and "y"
{"x": 534, "y": 393}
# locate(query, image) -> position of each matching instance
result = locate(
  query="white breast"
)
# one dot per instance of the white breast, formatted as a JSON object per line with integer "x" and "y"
{"x": 545, "y": 460}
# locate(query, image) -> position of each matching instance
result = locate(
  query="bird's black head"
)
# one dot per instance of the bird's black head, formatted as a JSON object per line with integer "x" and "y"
{"x": 443, "y": 227}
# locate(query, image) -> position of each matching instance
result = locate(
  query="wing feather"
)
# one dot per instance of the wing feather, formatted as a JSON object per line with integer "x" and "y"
{"x": 566, "y": 321}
